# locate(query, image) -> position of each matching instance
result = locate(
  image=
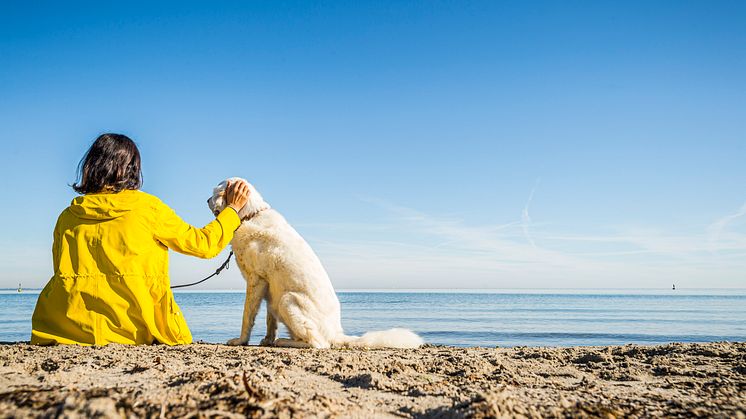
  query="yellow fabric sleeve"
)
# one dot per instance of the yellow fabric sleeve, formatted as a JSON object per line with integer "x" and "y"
{"x": 206, "y": 242}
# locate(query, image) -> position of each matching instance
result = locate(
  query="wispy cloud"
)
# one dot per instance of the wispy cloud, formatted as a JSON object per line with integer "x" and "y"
{"x": 717, "y": 228}
{"x": 526, "y": 218}
{"x": 428, "y": 250}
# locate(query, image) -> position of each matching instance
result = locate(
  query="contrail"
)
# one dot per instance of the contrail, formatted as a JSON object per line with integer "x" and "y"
{"x": 716, "y": 228}
{"x": 525, "y": 218}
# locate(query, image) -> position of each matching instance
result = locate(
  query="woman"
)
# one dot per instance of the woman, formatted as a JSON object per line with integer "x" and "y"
{"x": 110, "y": 256}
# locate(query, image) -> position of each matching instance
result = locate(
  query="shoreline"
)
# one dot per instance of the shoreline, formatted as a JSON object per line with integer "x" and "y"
{"x": 208, "y": 380}
{"x": 516, "y": 290}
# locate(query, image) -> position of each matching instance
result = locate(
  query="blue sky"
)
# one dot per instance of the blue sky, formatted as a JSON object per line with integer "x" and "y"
{"x": 414, "y": 144}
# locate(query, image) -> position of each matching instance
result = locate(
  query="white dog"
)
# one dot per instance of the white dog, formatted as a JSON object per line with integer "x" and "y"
{"x": 281, "y": 268}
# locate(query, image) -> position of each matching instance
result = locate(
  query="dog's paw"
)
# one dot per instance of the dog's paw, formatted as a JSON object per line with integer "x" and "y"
{"x": 267, "y": 342}
{"x": 237, "y": 342}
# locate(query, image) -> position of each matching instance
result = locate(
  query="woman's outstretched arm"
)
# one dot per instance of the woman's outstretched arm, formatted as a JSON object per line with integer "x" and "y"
{"x": 210, "y": 240}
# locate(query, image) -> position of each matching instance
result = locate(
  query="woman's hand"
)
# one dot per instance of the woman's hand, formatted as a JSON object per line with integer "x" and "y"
{"x": 237, "y": 194}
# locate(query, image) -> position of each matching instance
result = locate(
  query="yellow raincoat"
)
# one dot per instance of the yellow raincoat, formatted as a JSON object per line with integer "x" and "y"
{"x": 110, "y": 282}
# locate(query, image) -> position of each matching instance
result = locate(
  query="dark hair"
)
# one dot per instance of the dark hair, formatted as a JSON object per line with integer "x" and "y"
{"x": 112, "y": 163}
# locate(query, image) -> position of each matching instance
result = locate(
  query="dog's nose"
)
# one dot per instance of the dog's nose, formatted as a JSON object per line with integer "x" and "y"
{"x": 208, "y": 201}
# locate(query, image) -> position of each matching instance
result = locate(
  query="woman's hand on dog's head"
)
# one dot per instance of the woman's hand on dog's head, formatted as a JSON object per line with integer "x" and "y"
{"x": 237, "y": 194}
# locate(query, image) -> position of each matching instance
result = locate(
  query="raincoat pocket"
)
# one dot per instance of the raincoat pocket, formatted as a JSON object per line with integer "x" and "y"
{"x": 177, "y": 324}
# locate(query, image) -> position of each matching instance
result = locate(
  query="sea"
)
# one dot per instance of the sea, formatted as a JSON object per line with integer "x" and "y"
{"x": 486, "y": 318}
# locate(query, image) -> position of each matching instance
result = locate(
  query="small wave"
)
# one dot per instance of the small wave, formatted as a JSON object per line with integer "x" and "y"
{"x": 451, "y": 337}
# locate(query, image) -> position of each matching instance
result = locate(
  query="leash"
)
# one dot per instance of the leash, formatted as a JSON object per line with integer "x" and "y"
{"x": 225, "y": 264}
{"x": 217, "y": 272}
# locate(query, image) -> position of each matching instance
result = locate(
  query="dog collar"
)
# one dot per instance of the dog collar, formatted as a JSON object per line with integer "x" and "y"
{"x": 252, "y": 215}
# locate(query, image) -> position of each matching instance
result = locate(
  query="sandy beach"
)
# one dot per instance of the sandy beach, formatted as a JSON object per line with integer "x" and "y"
{"x": 205, "y": 380}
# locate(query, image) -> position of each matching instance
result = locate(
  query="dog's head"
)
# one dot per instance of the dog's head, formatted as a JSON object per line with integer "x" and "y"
{"x": 217, "y": 202}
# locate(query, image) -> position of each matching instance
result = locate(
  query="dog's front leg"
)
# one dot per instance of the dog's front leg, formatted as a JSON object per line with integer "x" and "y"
{"x": 269, "y": 339}
{"x": 255, "y": 291}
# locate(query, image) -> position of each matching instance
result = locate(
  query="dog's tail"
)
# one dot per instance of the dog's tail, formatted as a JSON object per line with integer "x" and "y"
{"x": 392, "y": 338}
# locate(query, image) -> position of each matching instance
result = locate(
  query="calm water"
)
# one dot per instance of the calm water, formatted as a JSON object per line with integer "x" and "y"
{"x": 473, "y": 318}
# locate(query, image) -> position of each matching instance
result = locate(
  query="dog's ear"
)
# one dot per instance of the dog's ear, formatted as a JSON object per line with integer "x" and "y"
{"x": 254, "y": 204}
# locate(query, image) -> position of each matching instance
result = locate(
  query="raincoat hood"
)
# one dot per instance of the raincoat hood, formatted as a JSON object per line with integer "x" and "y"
{"x": 105, "y": 206}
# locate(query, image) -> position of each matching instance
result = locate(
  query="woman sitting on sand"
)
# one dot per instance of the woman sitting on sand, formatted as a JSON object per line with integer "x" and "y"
{"x": 110, "y": 256}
